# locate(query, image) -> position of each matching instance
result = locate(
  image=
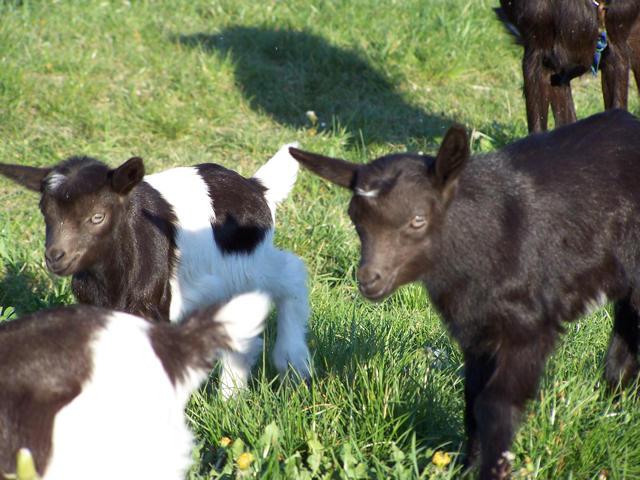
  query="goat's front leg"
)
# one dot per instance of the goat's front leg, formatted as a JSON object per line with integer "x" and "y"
{"x": 513, "y": 374}
{"x": 477, "y": 372}
{"x": 536, "y": 90}
{"x": 288, "y": 285}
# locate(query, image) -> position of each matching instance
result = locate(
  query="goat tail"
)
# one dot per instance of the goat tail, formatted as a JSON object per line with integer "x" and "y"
{"x": 509, "y": 25}
{"x": 278, "y": 176}
{"x": 242, "y": 319}
{"x": 189, "y": 349}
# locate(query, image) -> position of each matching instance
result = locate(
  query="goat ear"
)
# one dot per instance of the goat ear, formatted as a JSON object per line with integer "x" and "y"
{"x": 127, "y": 175}
{"x": 452, "y": 156}
{"x": 28, "y": 177}
{"x": 335, "y": 170}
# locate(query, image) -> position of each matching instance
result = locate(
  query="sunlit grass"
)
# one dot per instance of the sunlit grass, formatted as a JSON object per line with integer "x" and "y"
{"x": 229, "y": 81}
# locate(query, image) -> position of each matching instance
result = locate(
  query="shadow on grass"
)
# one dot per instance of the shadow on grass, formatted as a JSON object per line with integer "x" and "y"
{"x": 422, "y": 407}
{"x": 25, "y": 292}
{"x": 285, "y": 73}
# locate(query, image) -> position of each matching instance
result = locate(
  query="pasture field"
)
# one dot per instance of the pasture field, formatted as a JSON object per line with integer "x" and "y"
{"x": 229, "y": 81}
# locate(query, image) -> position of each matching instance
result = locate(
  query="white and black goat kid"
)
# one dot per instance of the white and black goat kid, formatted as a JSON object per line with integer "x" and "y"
{"x": 509, "y": 246}
{"x": 98, "y": 394}
{"x": 163, "y": 245}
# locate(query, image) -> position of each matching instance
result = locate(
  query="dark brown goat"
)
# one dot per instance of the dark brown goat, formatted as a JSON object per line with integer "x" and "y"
{"x": 509, "y": 246}
{"x": 559, "y": 39}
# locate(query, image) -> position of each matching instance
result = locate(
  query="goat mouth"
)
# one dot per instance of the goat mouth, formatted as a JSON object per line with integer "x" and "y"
{"x": 377, "y": 294}
{"x": 63, "y": 270}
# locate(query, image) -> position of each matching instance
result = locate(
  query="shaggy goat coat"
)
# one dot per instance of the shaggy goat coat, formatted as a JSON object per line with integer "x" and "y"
{"x": 509, "y": 246}
{"x": 98, "y": 394}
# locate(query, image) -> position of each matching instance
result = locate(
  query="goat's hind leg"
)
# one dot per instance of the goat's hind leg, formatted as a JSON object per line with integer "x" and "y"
{"x": 634, "y": 45}
{"x": 289, "y": 290}
{"x": 621, "y": 366}
{"x": 615, "y": 74}
{"x": 536, "y": 90}
{"x": 564, "y": 111}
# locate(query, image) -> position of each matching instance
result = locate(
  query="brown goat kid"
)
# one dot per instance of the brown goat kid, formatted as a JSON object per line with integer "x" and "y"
{"x": 559, "y": 39}
{"x": 509, "y": 246}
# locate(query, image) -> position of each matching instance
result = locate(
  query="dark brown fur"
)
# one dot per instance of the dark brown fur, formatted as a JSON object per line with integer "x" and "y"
{"x": 509, "y": 246}
{"x": 559, "y": 39}
{"x": 44, "y": 361}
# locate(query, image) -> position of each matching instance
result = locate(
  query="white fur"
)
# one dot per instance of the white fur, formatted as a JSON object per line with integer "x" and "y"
{"x": 54, "y": 181}
{"x": 278, "y": 176}
{"x": 595, "y": 303}
{"x": 205, "y": 276}
{"x": 187, "y": 193}
{"x": 367, "y": 193}
{"x": 128, "y": 422}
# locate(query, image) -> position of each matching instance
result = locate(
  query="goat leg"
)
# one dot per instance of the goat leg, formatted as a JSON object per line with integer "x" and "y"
{"x": 562, "y": 105}
{"x": 536, "y": 90}
{"x": 615, "y": 76}
{"x": 478, "y": 370}
{"x": 621, "y": 366}
{"x": 634, "y": 51}
{"x": 513, "y": 374}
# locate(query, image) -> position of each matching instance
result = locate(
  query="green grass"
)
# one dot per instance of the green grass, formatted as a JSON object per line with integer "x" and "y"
{"x": 230, "y": 81}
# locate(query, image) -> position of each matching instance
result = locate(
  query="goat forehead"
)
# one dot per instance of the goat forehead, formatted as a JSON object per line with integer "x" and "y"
{"x": 393, "y": 209}
{"x": 76, "y": 177}
{"x": 386, "y": 171}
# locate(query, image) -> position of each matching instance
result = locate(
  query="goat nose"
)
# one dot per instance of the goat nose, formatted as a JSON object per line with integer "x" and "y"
{"x": 368, "y": 277}
{"x": 53, "y": 255}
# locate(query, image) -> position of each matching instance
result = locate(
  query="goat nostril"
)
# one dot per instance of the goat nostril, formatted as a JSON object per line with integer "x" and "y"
{"x": 54, "y": 255}
{"x": 369, "y": 278}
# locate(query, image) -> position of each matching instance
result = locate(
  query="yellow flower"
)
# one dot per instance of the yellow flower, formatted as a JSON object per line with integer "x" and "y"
{"x": 244, "y": 460}
{"x": 441, "y": 459}
{"x": 225, "y": 441}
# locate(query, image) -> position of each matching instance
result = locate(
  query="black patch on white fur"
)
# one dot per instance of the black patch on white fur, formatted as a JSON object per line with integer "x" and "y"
{"x": 242, "y": 214}
{"x": 45, "y": 359}
{"x": 190, "y": 344}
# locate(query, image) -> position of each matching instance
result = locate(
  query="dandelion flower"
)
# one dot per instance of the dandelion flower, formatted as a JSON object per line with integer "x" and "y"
{"x": 225, "y": 441}
{"x": 244, "y": 460}
{"x": 441, "y": 459}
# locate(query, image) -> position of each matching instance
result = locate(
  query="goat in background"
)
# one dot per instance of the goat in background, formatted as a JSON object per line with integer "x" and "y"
{"x": 560, "y": 39}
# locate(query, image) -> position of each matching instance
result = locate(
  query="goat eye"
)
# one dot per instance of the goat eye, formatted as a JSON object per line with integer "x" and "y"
{"x": 418, "y": 221}
{"x": 97, "y": 218}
